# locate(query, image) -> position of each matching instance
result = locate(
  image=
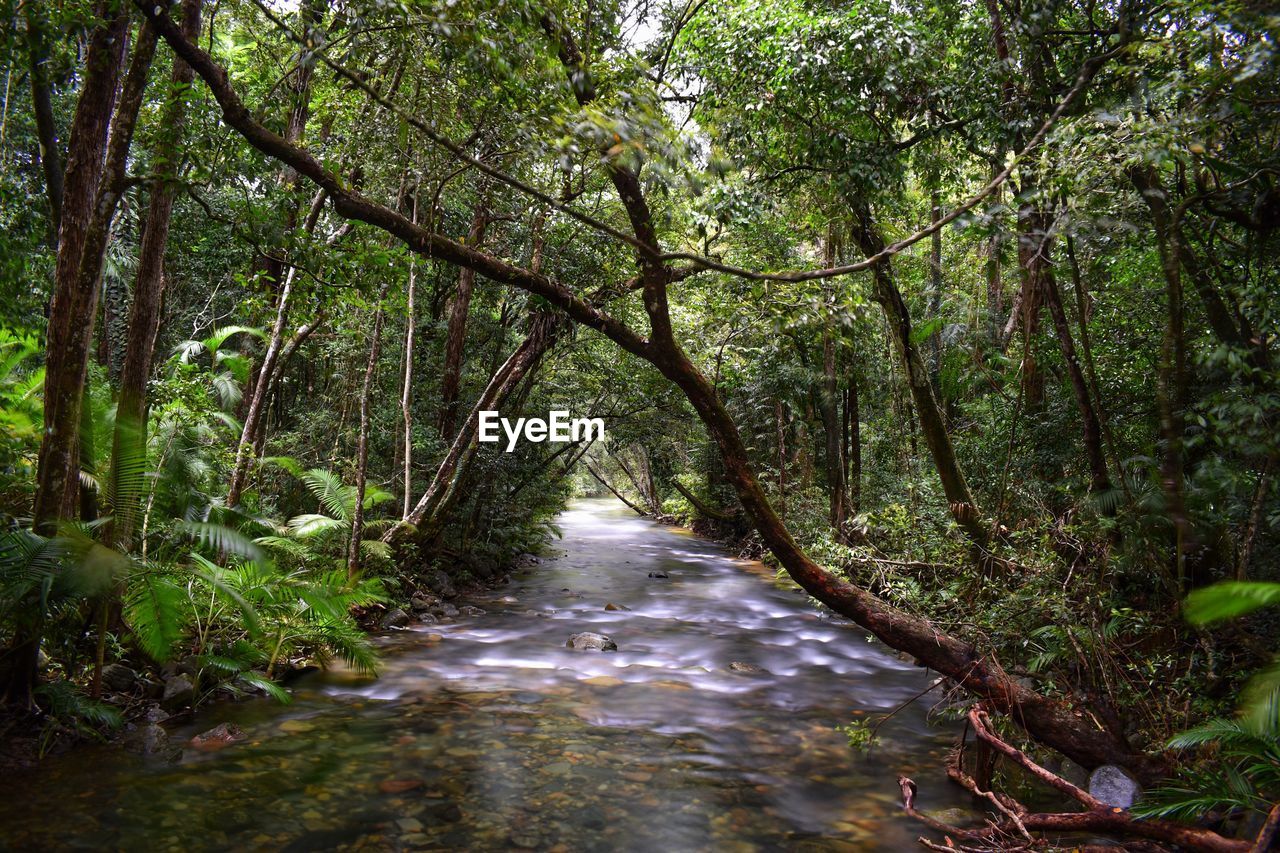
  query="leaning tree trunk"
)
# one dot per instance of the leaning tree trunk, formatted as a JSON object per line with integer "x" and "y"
{"x": 129, "y": 441}
{"x": 1090, "y": 426}
{"x": 963, "y": 506}
{"x": 424, "y": 520}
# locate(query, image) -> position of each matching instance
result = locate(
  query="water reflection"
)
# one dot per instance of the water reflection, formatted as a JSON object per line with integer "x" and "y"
{"x": 487, "y": 733}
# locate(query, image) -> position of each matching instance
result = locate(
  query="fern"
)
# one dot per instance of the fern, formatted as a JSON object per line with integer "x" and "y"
{"x": 155, "y": 609}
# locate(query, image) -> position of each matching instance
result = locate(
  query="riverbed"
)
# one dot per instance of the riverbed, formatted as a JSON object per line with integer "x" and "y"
{"x": 712, "y": 727}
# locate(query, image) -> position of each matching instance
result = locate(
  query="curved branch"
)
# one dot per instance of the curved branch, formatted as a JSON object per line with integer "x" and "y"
{"x": 352, "y": 204}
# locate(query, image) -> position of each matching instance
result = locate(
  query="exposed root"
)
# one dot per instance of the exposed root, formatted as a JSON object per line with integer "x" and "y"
{"x": 1012, "y": 831}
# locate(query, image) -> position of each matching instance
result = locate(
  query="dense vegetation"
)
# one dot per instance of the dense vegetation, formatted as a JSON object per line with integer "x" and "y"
{"x": 962, "y": 314}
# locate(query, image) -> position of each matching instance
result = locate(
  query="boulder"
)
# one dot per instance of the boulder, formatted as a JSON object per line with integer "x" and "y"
{"x": 587, "y": 641}
{"x": 421, "y": 601}
{"x": 118, "y": 678}
{"x": 218, "y": 737}
{"x": 612, "y": 606}
{"x": 1114, "y": 786}
{"x": 444, "y": 610}
{"x": 395, "y": 618}
{"x": 439, "y": 583}
{"x": 659, "y": 574}
{"x": 178, "y": 691}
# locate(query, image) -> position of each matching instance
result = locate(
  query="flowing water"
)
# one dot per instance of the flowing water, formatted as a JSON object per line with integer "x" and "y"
{"x": 487, "y": 733}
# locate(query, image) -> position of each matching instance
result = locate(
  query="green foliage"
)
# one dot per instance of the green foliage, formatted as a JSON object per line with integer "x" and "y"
{"x": 1242, "y": 770}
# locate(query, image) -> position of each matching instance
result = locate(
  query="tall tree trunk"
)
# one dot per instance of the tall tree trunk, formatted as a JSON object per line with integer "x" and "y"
{"x": 1086, "y": 348}
{"x": 71, "y": 311}
{"x": 1033, "y": 267}
{"x": 259, "y": 397}
{"x": 71, "y": 316}
{"x": 853, "y": 455}
{"x": 456, "y": 337}
{"x": 933, "y": 309}
{"x": 995, "y": 282}
{"x": 828, "y": 407}
{"x": 129, "y": 441}
{"x": 963, "y": 506}
{"x": 406, "y": 392}
{"x": 1090, "y": 426}
{"x": 42, "y": 107}
{"x": 92, "y": 187}
{"x": 1171, "y": 389}
{"x": 362, "y": 445}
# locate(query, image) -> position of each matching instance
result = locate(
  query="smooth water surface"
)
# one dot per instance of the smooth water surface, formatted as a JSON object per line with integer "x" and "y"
{"x": 487, "y": 733}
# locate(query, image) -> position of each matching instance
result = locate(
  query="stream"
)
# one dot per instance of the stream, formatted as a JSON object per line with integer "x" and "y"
{"x": 487, "y": 733}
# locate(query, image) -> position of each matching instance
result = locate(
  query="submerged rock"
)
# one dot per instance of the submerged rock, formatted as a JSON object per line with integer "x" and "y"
{"x": 399, "y": 786}
{"x": 471, "y": 610}
{"x": 218, "y": 737}
{"x": 659, "y": 574}
{"x": 612, "y": 606}
{"x": 587, "y": 641}
{"x": 747, "y": 668}
{"x": 1114, "y": 786}
{"x": 178, "y": 691}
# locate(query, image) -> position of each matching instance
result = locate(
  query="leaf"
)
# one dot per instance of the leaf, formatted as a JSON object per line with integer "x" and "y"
{"x": 155, "y": 610}
{"x": 1228, "y": 600}
{"x": 275, "y": 691}
{"x": 313, "y": 524}
{"x": 222, "y": 539}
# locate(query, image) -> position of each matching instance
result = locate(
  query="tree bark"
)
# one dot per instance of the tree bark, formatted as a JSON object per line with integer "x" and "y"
{"x": 700, "y": 505}
{"x": 75, "y": 297}
{"x": 853, "y": 418}
{"x": 828, "y": 403}
{"x": 129, "y": 441}
{"x": 456, "y": 336}
{"x": 933, "y": 309}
